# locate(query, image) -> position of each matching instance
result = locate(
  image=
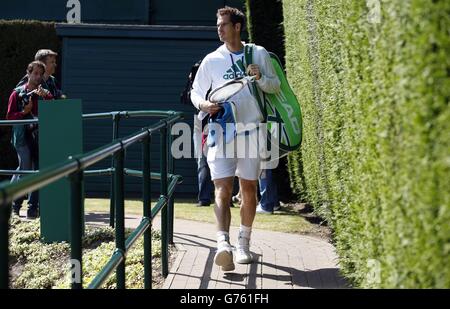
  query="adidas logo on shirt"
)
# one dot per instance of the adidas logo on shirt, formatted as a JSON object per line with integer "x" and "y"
{"x": 236, "y": 71}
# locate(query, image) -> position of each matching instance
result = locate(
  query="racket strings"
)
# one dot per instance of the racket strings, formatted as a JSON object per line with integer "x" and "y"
{"x": 225, "y": 92}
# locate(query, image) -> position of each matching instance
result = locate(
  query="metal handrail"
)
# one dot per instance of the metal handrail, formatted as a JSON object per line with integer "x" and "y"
{"x": 75, "y": 168}
{"x": 89, "y": 173}
{"x": 105, "y": 115}
{"x": 116, "y": 116}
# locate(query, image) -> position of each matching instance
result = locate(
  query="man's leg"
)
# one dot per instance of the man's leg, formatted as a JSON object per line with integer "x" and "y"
{"x": 33, "y": 200}
{"x": 205, "y": 185}
{"x": 248, "y": 170}
{"x": 223, "y": 192}
{"x": 269, "y": 193}
{"x": 23, "y": 155}
{"x": 248, "y": 210}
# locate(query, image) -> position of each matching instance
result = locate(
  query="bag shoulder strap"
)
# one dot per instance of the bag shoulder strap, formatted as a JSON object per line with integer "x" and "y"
{"x": 248, "y": 58}
{"x": 248, "y": 53}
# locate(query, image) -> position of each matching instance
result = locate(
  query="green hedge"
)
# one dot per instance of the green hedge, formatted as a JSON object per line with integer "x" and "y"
{"x": 375, "y": 101}
{"x": 265, "y": 28}
{"x": 19, "y": 42}
{"x": 265, "y": 24}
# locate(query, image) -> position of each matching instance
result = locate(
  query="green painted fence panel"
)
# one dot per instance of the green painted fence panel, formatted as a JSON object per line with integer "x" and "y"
{"x": 60, "y": 136}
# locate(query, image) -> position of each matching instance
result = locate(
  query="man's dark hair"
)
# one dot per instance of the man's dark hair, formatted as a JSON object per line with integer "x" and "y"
{"x": 236, "y": 16}
{"x": 34, "y": 64}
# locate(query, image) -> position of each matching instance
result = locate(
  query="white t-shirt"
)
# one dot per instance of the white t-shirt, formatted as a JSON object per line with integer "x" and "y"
{"x": 222, "y": 66}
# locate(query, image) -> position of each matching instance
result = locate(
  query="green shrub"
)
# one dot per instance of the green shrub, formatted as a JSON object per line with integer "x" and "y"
{"x": 43, "y": 266}
{"x": 20, "y": 40}
{"x": 375, "y": 95}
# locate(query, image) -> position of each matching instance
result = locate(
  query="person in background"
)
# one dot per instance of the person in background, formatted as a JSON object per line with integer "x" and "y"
{"x": 49, "y": 82}
{"x": 205, "y": 185}
{"x": 23, "y": 104}
{"x": 269, "y": 201}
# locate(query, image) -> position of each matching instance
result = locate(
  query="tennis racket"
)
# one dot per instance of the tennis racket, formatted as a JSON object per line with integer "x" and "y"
{"x": 226, "y": 91}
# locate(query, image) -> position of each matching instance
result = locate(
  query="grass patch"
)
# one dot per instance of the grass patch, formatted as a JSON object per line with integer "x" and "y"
{"x": 287, "y": 220}
{"x": 132, "y": 207}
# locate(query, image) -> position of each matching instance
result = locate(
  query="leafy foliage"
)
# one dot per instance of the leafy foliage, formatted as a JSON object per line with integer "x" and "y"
{"x": 43, "y": 266}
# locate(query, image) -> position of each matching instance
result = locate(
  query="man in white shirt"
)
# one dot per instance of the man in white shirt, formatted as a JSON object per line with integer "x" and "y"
{"x": 225, "y": 64}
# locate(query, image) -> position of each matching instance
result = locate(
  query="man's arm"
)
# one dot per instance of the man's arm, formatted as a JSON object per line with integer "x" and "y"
{"x": 269, "y": 81}
{"x": 12, "y": 112}
{"x": 202, "y": 83}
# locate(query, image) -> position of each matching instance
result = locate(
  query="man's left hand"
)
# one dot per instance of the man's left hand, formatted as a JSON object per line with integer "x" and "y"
{"x": 253, "y": 70}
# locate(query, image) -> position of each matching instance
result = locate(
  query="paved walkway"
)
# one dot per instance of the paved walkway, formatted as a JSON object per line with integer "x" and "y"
{"x": 281, "y": 260}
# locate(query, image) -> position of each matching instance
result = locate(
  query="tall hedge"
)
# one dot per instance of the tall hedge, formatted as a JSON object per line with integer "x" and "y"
{"x": 19, "y": 42}
{"x": 265, "y": 24}
{"x": 265, "y": 28}
{"x": 373, "y": 80}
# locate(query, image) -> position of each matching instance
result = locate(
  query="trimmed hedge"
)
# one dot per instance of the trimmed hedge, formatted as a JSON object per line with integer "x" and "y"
{"x": 20, "y": 40}
{"x": 265, "y": 25}
{"x": 375, "y": 91}
{"x": 265, "y": 28}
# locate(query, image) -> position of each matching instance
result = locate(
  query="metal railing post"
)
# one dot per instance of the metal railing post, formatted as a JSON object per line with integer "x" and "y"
{"x": 164, "y": 221}
{"x": 76, "y": 233}
{"x": 146, "y": 181}
{"x": 120, "y": 215}
{"x": 170, "y": 208}
{"x": 116, "y": 119}
{"x": 5, "y": 213}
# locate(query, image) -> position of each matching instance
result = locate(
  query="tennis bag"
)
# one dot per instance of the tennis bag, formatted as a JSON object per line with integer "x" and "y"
{"x": 281, "y": 110}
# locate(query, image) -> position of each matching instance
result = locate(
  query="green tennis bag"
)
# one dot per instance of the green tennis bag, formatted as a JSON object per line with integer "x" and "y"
{"x": 281, "y": 110}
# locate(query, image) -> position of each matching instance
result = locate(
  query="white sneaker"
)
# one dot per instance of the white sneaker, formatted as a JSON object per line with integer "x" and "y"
{"x": 224, "y": 256}
{"x": 259, "y": 210}
{"x": 243, "y": 255}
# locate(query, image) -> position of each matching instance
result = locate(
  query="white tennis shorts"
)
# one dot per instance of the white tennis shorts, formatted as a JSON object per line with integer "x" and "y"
{"x": 244, "y": 168}
{"x": 238, "y": 161}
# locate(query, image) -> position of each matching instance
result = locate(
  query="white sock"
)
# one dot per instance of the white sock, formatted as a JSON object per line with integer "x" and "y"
{"x": 223, "y": 236}
{"x": 245, "y": 231}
